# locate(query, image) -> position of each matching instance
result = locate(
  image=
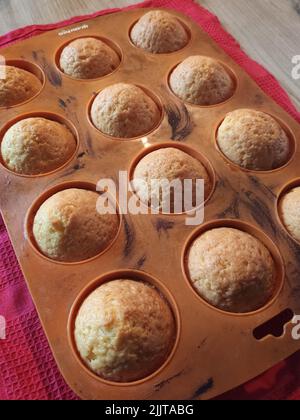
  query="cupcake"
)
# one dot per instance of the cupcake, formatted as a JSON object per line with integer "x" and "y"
{"x": 159, "y": 32}
{"x": 289, "y": 208}
{"x": 201, "y": 81}
{"x": 124, "y": 331}
{"x": 232, "y": 270}
{"x": 168, "y": 164}
{"x": 68, "y": 228}
{"x": 125, "y": 111}
{"x": 17, "y": 86}
{"x": 36, "y": 146}
{"x": 253, "y": 140}
{"x": 88, "y": 58}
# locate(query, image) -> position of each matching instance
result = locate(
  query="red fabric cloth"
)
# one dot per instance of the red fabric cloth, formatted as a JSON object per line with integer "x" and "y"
{"x": 27, "y": 368}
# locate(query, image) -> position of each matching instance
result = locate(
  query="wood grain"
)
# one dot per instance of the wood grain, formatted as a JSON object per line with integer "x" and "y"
{"x": 267, "y": 29}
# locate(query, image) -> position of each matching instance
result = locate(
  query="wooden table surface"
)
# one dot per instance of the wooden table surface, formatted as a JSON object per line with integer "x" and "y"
{"x": 269, "y": 30}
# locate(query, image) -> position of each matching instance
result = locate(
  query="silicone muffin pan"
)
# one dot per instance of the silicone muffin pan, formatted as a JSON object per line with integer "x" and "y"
{"x": 214, "y": 351}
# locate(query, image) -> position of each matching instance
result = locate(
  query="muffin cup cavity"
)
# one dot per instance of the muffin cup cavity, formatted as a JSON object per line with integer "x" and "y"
{"x": 292, "y": 147}
{"x": 48, "y": 116}
{"x": 138, "y": 276}
{"x": 29, "y": 221}
{"x": 151, "y": 95}
{"x": 115, "y": 47}
{"x": 256, "y": 233}
{"x": 186, "y": 149}
{"x": 183, "y": 24}
{"x": 32, "y": 68}
{"x": 229, "y": 71}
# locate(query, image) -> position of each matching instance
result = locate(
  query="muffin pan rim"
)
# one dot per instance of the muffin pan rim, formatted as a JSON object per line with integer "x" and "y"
{"x": 126, "y": 274}
{"x": 46, "y": 115}
{"x": 42, "y": 198}
{"x": 257, "y": 233}
{"x": 112, "y": 44}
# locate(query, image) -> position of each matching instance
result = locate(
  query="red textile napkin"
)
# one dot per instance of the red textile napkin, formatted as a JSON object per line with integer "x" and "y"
{"x": 27, "y": 368}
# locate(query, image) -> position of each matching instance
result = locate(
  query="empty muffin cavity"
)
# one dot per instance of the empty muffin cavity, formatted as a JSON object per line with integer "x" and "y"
{"x": 159, "y": 32}
{"x": 202, "y": 81}
{"x": 37, "y": 144}
{"x": 255, "y": 140}
{"x": 125, "y": 111}
{"x": 88, "y": 58}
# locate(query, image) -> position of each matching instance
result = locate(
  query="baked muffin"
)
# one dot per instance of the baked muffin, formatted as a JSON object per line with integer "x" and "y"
{"x": 35, "y": 146}
{"x": 253, "y": 140}
{"x": 68, "y": 228}
{"x": 168, "y": 164}
{"x": 232, "y": 270}
{"x": 289, "y": 208}
{"x": 159, "y": 32}
{"x": 124, "y": 110}
{"x": 88, "y": 58}
{"x": 17, "y": 86}
{"x": 201, "y": 81}
{"x": 124, "y": 331}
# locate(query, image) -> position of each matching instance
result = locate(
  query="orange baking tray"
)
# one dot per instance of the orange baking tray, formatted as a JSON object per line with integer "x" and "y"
{"x": 214, "y": 351}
